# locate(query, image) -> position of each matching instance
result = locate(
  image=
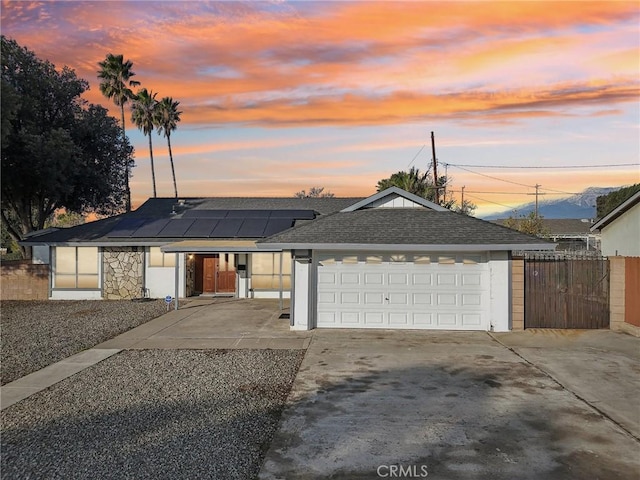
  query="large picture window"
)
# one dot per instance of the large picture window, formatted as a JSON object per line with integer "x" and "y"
{"x": 265, "y": 271}
{"x": 76, "y": 267}
{"x": 157, "y": 258}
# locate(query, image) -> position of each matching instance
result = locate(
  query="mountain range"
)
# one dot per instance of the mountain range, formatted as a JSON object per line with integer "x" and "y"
{"x": 580, "y": 205}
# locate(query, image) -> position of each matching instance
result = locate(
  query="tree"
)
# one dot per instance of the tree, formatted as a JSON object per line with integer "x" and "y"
{"x": 413, "y": 181}
{"x": 57, "y": 150}
{"x": 606, "y": 203}
{"x": 167, "y": 120}
{"x": 421, "y": 184}
{"x": 531, "y": 224}
{"x": 314, "y": 192}
{"x": 143, "y": 115}
{"x": 116, "y": 74}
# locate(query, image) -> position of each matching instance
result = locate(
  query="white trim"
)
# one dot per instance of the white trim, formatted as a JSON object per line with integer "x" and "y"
{"x": 397, "y": 191}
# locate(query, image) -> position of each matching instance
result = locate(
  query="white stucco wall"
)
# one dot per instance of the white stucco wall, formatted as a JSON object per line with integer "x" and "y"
{"x": 500, "y": 291}
{"x": 76, "y": 295}
{"x": 622, "y": 236}
{"x": 161, "y": 280}
{"x": 40, "y": 254}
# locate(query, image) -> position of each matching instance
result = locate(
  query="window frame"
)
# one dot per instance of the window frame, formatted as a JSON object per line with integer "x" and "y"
{"x": 76, "y": 274}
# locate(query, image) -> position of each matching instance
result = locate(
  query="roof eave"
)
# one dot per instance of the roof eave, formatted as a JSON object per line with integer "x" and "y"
{"x": 409, "y": 247}
{"x": 616, "y": 212}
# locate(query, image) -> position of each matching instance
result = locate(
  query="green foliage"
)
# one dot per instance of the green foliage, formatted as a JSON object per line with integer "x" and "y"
{"x": 167, "y": 118}
{"x": 57, "y": 150}
{"x": 531, "y": 224}
{"x": 115, "y": 79}
{"x": 314, "y": 192}
{"x": 144, "y": 114}
{"x": 606, "y": 203}
{"x": 421, "y": 184}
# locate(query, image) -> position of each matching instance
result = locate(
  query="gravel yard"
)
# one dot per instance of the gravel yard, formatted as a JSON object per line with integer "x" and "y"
{"x": 153, "y": 414}
{"x": 37, "y": 334}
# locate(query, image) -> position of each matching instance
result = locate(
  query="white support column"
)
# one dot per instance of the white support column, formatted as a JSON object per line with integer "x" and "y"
{"x": 300, "y": 307}
{"x": 177, "y": 281}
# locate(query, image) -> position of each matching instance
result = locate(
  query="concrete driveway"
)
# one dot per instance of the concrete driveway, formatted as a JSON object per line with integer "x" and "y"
{"x": 389, "y": 404}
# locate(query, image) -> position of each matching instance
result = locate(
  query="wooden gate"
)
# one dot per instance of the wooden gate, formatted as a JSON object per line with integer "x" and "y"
{"x": 566, "y": 292}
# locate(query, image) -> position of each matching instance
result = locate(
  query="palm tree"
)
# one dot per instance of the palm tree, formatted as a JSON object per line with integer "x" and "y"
{"x": 116, "y": 74}
{"x": 143, "y": 115}
{"x": 413, "y": 181}
{"x": 167, "y": 119}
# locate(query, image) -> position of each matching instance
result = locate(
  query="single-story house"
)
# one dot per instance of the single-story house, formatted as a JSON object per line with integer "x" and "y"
{"x": 571, "y": 234}
{"x": 392, "y": 260}
{"x": 620, "y": 229}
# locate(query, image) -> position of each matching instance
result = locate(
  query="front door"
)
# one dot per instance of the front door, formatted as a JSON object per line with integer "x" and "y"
{"x": 209, "y": 268}
{"x": 218, "y": 274}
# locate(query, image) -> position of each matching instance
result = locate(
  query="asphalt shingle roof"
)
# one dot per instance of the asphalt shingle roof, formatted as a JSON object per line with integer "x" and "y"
{"x": 401, "y": 226}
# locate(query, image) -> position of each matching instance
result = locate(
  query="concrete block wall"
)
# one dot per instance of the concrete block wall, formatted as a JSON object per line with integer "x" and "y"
{"x": 517, "y": 294}
{"x": 617, "y": 297}
{"x": 24, "y": 281}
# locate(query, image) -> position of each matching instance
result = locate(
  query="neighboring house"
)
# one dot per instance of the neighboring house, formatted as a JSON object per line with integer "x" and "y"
{"x": 620, "y": 229}
{"x": 392, "y": 260}
{"x": 571, "y": 234}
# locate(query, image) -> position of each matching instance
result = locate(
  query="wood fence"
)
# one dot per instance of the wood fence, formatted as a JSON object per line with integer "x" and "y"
{"x": 566, "y": 292}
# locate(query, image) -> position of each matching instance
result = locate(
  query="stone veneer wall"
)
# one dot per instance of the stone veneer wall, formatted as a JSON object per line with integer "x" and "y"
{"x": 190, "y": 285}
{"x": 123, "y": 272}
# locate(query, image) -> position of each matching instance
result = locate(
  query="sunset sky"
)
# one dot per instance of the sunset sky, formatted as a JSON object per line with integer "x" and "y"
{"x": 281, "y": 96}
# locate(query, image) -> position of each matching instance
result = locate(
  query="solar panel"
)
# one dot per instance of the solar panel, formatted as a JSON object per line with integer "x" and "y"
{"x": 248, "y": 213}
{"x": 277, "y": 225}
{"x": 201, "y": 227}
{"x": 205, "y": 214}
{"x": 252, "y": 227}
{"x": 151, "y": 228}
{"x": 226, "y": 228}
{"x": 176, "y": 227}
{"x": 297, "y": 214}
{"x": 126, "y": 227}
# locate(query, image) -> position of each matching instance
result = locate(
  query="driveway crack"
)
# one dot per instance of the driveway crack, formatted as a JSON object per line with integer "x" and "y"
{"x": 565, "y": 388}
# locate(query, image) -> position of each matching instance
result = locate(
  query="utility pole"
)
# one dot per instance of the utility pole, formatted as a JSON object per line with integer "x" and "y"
{"x": 537, "y": 187}
{"x": 462, "y": 202}
{"x": 435, "y": 169}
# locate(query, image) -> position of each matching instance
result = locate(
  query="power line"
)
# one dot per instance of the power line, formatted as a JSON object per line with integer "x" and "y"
{"x": 492, "y": 177}
{"x": 416, "y": 155}
{"x": 548, "y": 167}
{"x": 489, "y": 201}
{"x": 504, "y": 193}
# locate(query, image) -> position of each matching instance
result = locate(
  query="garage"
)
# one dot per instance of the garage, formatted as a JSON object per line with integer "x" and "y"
{"x": 398, "y": 261}
{"x": 403, "y": 291}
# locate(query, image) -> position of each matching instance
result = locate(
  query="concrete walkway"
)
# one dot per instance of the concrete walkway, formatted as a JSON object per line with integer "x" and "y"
{"x": 50, "y": 375}
{"x": 208, "y": 323}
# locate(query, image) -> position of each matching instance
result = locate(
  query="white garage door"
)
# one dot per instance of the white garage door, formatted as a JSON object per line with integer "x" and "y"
{"x": 403, "y": 291}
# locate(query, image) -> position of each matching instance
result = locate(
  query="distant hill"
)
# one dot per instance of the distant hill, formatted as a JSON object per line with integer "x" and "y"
{"x": 581, "y": 205}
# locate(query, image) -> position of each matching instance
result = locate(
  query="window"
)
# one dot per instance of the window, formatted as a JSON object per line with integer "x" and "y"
{"x": 265, "y": 271}
{"x": 76, "y": 267}
{"x": 157, "y": 258}
{"x": 446, "y": 260}
{"x": 471, "y": 259}
{"x": 422, "y": 259}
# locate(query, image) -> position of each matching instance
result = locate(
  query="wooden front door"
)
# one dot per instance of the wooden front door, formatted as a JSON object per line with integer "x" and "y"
{"x": 209, "y": 269}
{"x": 218, "y": 274}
